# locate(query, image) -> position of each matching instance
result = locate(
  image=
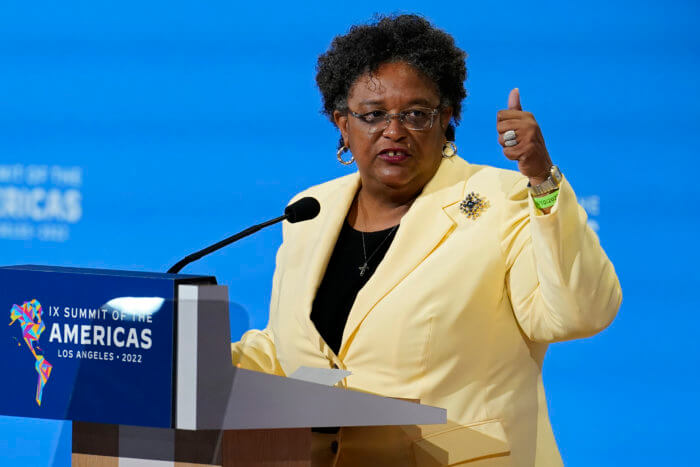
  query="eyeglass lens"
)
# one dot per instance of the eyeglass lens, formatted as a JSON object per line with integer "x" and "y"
{"x": 412, "y": 119}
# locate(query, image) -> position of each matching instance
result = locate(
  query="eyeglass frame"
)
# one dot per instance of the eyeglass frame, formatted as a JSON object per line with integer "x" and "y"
{"x": 402, "y": 118}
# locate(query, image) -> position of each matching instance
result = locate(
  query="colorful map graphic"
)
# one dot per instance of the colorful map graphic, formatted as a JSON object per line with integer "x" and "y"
{"x": 29, "y": 316}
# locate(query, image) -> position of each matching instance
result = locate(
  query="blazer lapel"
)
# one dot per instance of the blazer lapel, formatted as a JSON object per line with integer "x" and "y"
{"x": 423, "y": 228}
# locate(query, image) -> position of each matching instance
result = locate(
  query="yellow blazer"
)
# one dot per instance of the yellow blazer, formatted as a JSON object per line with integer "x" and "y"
{"x": 457, "y": 315}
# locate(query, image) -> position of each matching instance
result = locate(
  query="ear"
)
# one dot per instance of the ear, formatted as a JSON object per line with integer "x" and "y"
{"x": 445, "y": 117}
{"x": 341, "y": 121}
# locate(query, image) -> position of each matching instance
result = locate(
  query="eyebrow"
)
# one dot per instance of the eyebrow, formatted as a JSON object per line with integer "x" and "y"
{"x": 416, "y": 101}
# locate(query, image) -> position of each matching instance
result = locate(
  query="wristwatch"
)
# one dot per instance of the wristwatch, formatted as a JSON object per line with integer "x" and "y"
{"x": 550, "y": 184}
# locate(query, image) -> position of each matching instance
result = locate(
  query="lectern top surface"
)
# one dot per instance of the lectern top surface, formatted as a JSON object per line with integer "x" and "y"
{"x": 112, "y": 272}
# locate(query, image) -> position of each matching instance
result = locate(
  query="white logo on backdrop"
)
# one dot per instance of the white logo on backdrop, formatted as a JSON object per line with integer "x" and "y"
{"x": 39, "y": 201}
{"x": 592, "y": 206}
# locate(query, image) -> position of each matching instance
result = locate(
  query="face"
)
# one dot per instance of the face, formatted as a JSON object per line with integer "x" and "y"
{"x": 396, "y": 160}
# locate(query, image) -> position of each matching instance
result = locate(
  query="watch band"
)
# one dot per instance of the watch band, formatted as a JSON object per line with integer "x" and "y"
{"x": 550, "y": 184}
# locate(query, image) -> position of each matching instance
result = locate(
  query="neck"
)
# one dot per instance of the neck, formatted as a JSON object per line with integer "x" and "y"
{"x": 378, "y": 211}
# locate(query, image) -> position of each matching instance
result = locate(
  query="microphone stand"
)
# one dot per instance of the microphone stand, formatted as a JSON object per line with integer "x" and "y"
{"x": 227, "y": 241}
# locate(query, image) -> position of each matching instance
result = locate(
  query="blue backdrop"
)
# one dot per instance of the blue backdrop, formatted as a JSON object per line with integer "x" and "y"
{"x": 151, "y": 129}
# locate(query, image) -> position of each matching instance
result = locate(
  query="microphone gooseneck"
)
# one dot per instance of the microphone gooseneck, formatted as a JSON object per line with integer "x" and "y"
{"x": 301, "y": 210}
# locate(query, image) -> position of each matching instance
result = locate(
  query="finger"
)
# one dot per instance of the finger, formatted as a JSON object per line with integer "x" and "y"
{"x": 513, "y": 153}
{"x": 506, "y": 125}
{"x": 520, "y": 152}
{"x": 514, "y": 100}
{"x": 512, "y": 115}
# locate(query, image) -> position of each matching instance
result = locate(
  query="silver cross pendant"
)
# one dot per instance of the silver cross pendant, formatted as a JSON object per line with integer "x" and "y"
{"x": 363, "y": 269}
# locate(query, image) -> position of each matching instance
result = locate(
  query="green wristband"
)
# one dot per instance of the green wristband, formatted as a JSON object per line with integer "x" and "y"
{"x": 546, "y": 201}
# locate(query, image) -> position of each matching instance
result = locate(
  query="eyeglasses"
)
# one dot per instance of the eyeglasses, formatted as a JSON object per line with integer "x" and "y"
{"x": 416, "y": 118}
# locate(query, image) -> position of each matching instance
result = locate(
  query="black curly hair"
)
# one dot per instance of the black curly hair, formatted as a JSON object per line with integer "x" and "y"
{"x": 403, "y": 38}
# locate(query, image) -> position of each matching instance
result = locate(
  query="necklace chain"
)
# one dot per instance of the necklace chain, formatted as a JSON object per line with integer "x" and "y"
{"x": 364, "y": 267}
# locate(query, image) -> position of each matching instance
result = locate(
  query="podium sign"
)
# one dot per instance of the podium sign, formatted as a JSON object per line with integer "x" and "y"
{"x": 88, "y": 345}
{"x": 141, "y": 363}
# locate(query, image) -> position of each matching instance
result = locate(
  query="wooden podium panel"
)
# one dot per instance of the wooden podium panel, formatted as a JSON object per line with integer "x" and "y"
{"x": 99, "y": 445}
{"x": 283, "y": 448}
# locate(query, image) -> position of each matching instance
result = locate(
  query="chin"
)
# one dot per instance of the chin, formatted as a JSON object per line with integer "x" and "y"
{"x": 396, "y": 179}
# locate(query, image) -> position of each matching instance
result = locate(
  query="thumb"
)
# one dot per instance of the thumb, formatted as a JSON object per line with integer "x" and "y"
{"x": 514, "y": 100}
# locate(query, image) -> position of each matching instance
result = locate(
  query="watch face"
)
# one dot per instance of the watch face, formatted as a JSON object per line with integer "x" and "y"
{"x": 556, "y": 174}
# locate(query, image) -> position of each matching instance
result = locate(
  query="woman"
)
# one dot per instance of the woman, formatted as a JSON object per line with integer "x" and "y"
{"x": 428, "y": 277}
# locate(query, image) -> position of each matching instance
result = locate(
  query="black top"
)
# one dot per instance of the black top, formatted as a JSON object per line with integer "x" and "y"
{"x": 342, "y": 280}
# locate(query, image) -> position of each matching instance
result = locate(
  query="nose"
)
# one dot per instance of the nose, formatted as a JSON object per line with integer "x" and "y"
{"x": 395, "y": 130}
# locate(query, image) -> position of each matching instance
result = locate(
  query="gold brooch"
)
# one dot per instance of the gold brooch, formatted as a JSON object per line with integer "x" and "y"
{"x": 473, "y": 205}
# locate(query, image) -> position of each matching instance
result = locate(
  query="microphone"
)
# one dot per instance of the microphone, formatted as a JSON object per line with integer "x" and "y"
{"x": 299, "y": 211}
{"x": 302, "y": 210}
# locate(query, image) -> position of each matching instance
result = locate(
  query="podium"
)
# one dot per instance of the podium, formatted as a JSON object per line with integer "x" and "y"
{"x": 141, "y": 363}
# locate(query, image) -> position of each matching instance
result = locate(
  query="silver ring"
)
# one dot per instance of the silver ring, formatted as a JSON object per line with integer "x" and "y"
{"x": 508, "y": 135}
{"x": 509, "y": 143}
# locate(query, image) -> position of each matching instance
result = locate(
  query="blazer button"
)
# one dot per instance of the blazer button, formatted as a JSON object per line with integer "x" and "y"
{"x": 334, "y": 447}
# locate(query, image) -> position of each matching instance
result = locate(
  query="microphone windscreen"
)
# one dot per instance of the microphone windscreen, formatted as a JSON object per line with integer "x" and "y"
{"x": 302, "y": 210}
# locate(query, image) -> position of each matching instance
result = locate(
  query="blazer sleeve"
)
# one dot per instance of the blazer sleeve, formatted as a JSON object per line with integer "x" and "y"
{"x": 256, "y": 349}
{"x": 559, "y": 280}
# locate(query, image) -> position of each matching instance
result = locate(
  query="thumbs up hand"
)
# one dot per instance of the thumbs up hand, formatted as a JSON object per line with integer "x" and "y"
{"x": 522, "y": 140}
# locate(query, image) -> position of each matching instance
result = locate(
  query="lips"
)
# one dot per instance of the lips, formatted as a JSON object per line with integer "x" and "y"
{"x": 394, "y": 154}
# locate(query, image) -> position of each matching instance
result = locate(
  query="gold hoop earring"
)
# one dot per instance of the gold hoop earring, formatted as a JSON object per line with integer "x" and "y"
{"x": 449, "y": 149}
{"x": 340, "y": 153}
